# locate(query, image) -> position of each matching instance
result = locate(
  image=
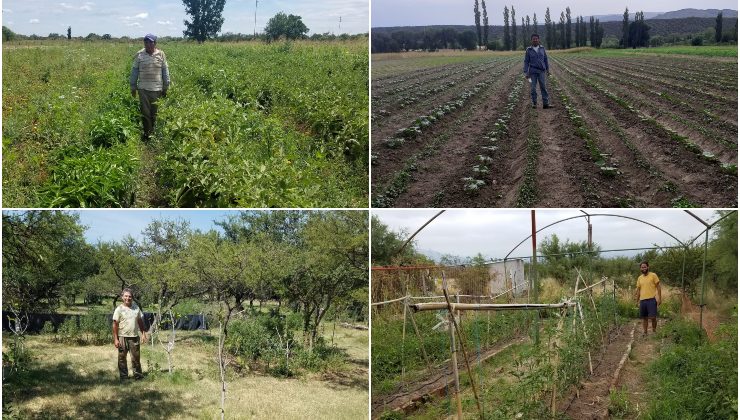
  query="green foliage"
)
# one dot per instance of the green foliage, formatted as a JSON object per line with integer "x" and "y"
{"x": 619, "y": 403}
{"x": 8, "y": 35}
{"x": 288, "y": 26}
{"x": 289, "y": 137}
{"x": 43, "y": 252}
{"x": 92, "y": 329}
{"x": 693, "y": 378}
{"x": 387, "y": 242}
{"x": 93, "y": 177}
{"x": 723, "y": 251}
{"x": 48, "y": 328}
{"x": 206, "y": 18}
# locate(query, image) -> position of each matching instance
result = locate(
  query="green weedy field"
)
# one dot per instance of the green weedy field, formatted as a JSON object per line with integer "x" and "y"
{"x": 248, "y": 124}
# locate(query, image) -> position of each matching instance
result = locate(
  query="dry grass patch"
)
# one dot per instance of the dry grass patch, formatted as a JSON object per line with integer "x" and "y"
{"x": 81, "y": 382}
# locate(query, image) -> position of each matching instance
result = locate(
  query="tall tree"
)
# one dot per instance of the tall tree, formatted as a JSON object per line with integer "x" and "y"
{"x": 561, "y": 27}
{"x": 476, "y": 12}
{"x": 524, "y": 35}
{"x": 485, "y": 23}
{"x": 535, "y": 26}
{"x": 507, "y": 38}
{"x": 43, "y": 252}
{"x": 592, "y": 31}
{"x": 550, "y": 36}
{"x": 289, "y": 26}
{"x": 69, "y": 32}
{"x": 331, "y": 265}
{"x": 718, "y": 28}
{"x": 528, "y": 32}
{"x": 568, "y": 27}
{"x": 207, "y": 18}
{"x": 599, "y": 33}
{"x": 624, "y": 42}
{"x": 513, "y": 28}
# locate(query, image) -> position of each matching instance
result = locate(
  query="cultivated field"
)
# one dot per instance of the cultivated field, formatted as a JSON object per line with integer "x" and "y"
{"x": 630, "y": 129}
{"x": 68, "y": 381}
{"x": 249, "y": 124}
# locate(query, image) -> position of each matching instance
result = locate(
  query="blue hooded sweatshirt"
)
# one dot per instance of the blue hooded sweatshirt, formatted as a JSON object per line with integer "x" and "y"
{"x": 535, "y": 61}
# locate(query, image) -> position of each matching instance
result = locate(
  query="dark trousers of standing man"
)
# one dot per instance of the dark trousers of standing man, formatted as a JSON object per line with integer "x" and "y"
{"x": 148, "y": 100}
{"x": 129, "y": 344}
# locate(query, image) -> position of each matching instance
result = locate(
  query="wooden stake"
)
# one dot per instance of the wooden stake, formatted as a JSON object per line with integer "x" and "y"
{"x": 465, "y": 353}
{"x": 583, "y": 323}
{"x": 418, "y": 335}
{"x": 555, "y": 364}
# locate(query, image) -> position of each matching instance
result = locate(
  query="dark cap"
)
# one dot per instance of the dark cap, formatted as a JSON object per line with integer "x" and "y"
{"x": 150, "y": 37}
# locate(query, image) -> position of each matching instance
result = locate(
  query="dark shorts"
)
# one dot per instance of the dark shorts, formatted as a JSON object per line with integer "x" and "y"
{"x": 649, "y": 308}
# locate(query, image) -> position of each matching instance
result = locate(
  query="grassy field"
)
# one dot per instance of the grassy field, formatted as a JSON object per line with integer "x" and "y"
{"x": 248, "y": 124}
{"x": 706, "y": 51}
{"x": 82, "y": 382}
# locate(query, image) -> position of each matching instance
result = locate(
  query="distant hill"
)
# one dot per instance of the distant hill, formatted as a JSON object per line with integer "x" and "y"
{"x": 618, "y": 17}
{"x": 682, "y": 26}
{"x": 701, "y": 13}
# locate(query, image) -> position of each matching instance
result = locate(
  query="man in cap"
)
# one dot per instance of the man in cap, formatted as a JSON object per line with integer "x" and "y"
{"x": 153, "y": 76}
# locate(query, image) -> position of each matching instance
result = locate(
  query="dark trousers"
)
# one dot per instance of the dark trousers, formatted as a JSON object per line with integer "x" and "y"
{"x": 148, "y": 102}
{"x": 129, "y": 344}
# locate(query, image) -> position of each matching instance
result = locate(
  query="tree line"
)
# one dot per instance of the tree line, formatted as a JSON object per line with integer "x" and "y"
{"x": 206, "y": 19}
{"x": 558, "y": 33}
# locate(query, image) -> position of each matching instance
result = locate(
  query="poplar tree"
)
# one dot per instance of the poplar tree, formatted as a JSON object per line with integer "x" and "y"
{"x": 507, "y": 39}
{"x": 476, "y": 12}
{"x": 513, "y": 28}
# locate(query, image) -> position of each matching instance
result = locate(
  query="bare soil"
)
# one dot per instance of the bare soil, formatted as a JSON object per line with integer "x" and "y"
{"x": 654, "y": 168}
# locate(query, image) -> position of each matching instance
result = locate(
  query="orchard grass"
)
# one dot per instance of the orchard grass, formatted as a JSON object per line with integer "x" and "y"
{"x": 82, "y": 382}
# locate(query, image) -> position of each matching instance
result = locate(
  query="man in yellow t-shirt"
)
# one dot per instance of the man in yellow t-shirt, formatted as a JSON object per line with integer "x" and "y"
{"x": 648, "y": 296}
{"x": 127, "y": 323}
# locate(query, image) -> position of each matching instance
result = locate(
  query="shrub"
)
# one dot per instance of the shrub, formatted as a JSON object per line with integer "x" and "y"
{"x": 48, "y": 328}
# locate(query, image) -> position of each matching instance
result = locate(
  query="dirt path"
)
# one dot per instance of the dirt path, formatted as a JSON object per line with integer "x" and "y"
{"x": 406, "y": 397}
{"x": 148, "y": 192}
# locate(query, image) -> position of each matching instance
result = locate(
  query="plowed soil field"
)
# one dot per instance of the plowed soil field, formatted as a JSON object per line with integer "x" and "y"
{"x": 630, "y": 130}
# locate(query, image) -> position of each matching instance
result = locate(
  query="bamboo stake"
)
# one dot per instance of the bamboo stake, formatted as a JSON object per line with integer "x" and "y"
{"x": 453, "y": 351}
{"x": 421, "y": 340}
{"x": 436, "y": 306}
{"x": 555, "y": 365}
{"x": 583, "y": 323}
{"x": 465, "y": 353}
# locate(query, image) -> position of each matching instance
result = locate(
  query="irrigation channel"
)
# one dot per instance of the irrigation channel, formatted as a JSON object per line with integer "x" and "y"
{"x": 488, "y": 341}
{"x": 624, "y": 132}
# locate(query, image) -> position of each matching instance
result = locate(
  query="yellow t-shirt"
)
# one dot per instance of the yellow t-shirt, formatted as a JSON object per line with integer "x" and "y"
{"x": 128, "y": 325}
{"x": 648, "y": 285}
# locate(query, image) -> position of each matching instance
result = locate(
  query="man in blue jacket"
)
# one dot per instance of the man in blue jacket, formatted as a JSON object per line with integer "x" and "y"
{"x": 535, "y": 67}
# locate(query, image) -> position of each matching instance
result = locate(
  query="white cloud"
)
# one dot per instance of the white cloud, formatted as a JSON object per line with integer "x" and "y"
{"x": 87, "y": 6}
{"x": 142, "y": 15}
{"x": 33, "y": 21}
{"x": 7, "y": 11}
{"x": 164, "y": 22}
{"x": 134, "y": 24}
{"x": 10, "y": 22}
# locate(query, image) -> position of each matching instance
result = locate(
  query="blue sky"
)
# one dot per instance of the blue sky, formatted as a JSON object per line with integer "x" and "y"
{"x": 113, "y": 225}
{"x": 456, "y": 12}
{"x": 135, "y": 18}
{"x": 494, "y": 233}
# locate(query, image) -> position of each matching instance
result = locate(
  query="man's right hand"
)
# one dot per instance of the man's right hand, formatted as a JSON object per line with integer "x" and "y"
{"x": 133, "y": 92}
{"x": 116, "y": 343}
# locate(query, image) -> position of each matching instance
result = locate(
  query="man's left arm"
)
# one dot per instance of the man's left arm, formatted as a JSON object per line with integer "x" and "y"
{"x": 547, "y": 63}
{"x": 660, "y": 295}
{"x": 140, "y": 320}
{"x": 165, "y": 76}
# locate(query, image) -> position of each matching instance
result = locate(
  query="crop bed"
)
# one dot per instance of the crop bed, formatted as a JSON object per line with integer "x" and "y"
{"x": 627, "y": 131}
{"x": 249, "y": 125}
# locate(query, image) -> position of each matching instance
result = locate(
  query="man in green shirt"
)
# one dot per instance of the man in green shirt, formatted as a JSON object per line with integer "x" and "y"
{"x": 127, "y": 322}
